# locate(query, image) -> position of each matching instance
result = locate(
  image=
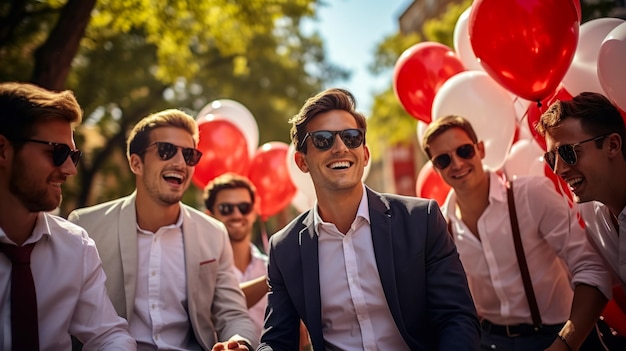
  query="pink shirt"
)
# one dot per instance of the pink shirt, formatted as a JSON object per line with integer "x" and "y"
{"x": 558, "y": 254}
{"x": 355, "y": 314}
{"x": 256, "y": 268}
{"x": 71, "y": 296}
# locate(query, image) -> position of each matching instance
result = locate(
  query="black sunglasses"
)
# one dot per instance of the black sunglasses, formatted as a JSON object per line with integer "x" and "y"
{"x": 465, "y": 151}
{"x": 60, "y": 152}
{"x": 324, "y": 139}
{"x": 168, "y": 150}
{"x": 226, "y": 209}
{"x": 567, "y": 152}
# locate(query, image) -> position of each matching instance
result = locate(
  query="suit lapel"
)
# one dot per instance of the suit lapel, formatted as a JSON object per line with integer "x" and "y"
{"x": 127, "y": 232}
{"x": 380, "y": 217}
{"x": 311, "y": 279}
{"x": 192, "y": 246}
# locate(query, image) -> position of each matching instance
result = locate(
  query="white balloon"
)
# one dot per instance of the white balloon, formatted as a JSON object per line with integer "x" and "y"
{"x": 420, "y": 131}
{"x": 488, "y": 106}
{"x": 521, "y": 107}
{"x": 301, "y": 180}
{"x": 582, "y": 74}
{"x": 237, "y": 114}
{"x": 302, "y": 202}
{"x": 611, "y": 61}
{"x": 462, "y": 44}
{"x": 525, "y": 158}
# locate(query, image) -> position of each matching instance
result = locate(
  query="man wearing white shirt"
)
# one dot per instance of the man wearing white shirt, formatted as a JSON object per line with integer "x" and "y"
{"x": 169, "y": 266}
{"x": 585, "y": 141}
{"x": 230, "y": 198}
{"x": 66, "y": 280}
{"x": 363, "y": 270}
{"x": 568, "y": 278}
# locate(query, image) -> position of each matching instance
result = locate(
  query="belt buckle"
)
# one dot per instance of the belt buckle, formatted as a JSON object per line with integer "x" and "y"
{"x": 509, "y": 334}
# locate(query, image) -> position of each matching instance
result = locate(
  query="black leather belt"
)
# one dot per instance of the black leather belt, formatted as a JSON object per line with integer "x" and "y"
{"x": 516, "y": 330}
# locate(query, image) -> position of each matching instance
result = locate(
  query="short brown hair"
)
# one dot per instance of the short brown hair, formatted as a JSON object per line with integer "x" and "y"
{"x": 597, "y": 116}
{"x": 226, "y": 181}
{"x": 327, "y": 100}
{"x": 139, "y": 136}
{"x": 440, "y": 125}
{"x": 23, "y": 104}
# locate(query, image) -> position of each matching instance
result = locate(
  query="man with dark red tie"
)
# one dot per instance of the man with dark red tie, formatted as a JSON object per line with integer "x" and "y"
{"x": 51, "y": 277}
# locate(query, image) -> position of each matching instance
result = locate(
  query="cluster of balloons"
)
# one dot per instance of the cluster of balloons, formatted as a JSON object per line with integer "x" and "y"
{"x": 229, "y": 138}
{"x": 511, "y": 60}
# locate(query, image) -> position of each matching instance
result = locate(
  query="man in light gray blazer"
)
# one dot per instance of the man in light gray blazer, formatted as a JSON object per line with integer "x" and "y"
{"x": 168, "y": 266}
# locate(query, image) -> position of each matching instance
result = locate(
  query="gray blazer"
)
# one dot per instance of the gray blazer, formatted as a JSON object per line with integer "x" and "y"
{"x": 216, "y": 306}
{"x": 422, "y": 277}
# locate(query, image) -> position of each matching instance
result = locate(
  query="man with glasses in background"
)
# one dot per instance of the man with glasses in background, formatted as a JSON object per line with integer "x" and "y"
{"x": 555, "y": 247}
{"x": 51, "y": 278}
{"x": 585, "y": 141}
{"x": 230, "y": 198}
{"x": 169, "y": 266}
{"x": 363, "y": 270}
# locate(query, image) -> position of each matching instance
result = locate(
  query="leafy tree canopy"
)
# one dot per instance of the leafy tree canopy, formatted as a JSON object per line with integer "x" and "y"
{"x": 135, "y": 57}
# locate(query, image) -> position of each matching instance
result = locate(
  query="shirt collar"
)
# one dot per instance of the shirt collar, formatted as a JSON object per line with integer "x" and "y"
{"x": 41, "y": 228}
{"x": 178, "y": 224}
{"x": 362, "y": 212}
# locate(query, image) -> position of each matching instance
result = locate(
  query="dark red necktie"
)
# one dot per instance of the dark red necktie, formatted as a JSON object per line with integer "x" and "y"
{"x": 24, "y": 327}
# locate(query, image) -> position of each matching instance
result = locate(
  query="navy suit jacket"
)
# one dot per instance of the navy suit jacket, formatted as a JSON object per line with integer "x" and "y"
{"x": 422, "y": 277}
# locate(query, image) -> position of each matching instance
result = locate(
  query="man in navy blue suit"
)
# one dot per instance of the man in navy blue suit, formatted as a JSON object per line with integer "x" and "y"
{"x": 363, "y": 270}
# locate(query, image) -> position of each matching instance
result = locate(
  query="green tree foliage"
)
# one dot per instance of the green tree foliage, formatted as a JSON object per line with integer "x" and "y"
{"x": 389, "y": 123}
{"x": 140, "y": 56}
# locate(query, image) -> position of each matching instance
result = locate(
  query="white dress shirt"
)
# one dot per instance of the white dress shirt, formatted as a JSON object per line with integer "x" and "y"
{"x": 558, "y": 253}
{"x": 71, "y": 296}
{"x": 610, "y": 244}
{"x": 355, "y": 314}
{"x": 160, "y": 320}
{"x": 256, "y": 268}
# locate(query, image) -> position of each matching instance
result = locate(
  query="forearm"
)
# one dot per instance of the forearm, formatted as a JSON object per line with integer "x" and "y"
{"x": 587, "y": 306}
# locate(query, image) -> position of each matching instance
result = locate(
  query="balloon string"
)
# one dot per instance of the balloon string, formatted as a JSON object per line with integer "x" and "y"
{"x": 264, "y": 238}
{"x": 516, "y": 101}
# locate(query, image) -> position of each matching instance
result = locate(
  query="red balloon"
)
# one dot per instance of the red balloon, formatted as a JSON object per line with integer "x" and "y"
{"x": 224, "y": 149}
{"x": 430, "y": 185}
{"x": 534, "y": 112}
{"x": 269, "y": 174}
{"x": 579, "y": 11}
{"x": 560, "y": 185}
{"x": 623, "y": 114}
{"x": 523, "y": 44}
{"x": 615, "y": 311}
{"x": 419, "y": 73}
{"x": 614, "y": 317}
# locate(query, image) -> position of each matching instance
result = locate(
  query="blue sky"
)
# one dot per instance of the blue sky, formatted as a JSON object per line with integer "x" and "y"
{"x": 351, "y": 29}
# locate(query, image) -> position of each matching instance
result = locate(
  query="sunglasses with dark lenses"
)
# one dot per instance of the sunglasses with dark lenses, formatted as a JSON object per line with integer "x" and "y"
{"x": 60, "y": 152}
{"x": 324, "y": 139}
{"x": 226, "y": 209}
{"x": 168, "y": 150}
{"x": 567, "y": 152}
{"x": 465, "y": 151}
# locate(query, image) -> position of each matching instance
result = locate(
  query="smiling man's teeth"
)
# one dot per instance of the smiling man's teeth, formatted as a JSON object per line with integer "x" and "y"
{"x": 340, "y": 164}
{"x": 173, "y": 176}
{"x": 573, "y": 182}
{"x": 457, "y": 176}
